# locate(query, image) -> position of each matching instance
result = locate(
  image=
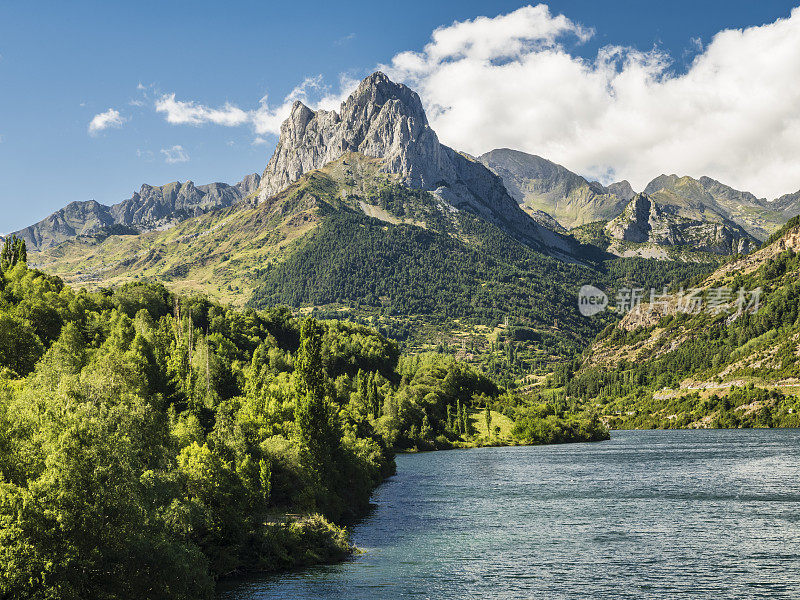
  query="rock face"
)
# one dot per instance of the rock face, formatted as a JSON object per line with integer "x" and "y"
{"x": 645, "y": 220}
{"x": 708, "y": 199}
{"x": 156, "y": 206}
{"x": 248, "y": 185}
{"x": 621, "y": 189}
{"x": 76, "y": 218}
{"x": 152, "y": 207}
{"x": 539, "y": 184}
{"x": 386, "y": 120}
{"x": 381, "y": 119}
{"x": 788, "y": 205}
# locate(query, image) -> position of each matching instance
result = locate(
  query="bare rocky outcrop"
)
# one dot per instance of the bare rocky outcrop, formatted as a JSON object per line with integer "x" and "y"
{"x": 385, "y": 120}
{"x": 152, "y": 207}
{"x": 539, "y": 184}
{"x": 381, "y": 119}
{"x": 645, "y": 220}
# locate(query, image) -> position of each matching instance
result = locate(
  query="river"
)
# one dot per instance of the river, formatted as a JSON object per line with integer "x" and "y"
{"x": 649, "y": 514}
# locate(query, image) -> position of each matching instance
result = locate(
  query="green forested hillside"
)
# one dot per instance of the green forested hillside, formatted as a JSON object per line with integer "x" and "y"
{"x": 348, "y": 241}
{"x": 150, "y": 443}
{"x": 407, "y": 270}
{"x": 720, "y": 368}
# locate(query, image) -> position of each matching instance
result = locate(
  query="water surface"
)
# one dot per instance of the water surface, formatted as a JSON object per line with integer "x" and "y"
{"x": 649, "y": 514}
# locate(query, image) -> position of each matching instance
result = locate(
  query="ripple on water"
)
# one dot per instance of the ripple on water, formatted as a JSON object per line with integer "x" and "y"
{"x": 649, "y": 514}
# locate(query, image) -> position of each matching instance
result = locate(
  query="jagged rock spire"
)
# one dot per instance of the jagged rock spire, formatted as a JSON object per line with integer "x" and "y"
{"x": 385, "y": 120}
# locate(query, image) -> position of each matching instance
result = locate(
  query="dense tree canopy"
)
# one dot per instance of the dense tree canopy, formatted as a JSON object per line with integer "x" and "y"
{"x": 150, "y": 443}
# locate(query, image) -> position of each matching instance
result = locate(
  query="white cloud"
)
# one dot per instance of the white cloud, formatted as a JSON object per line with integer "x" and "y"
{"x": 516, "y": 81}
{"x": 146, "y": 155}
{"x": 106, "y": 120}
{"x": 344, "y": 39}
{"x": 188, "y": 113}
{"x": 176, "y": 154}
{"x": 264, "y": 119}
{"x": 511, "y": 81}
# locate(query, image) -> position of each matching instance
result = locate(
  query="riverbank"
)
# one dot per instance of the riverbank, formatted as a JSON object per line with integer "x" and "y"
{"x": 289, "y": 541}
{"x": 296, "y": 541}
{"x": 656, "y": 514}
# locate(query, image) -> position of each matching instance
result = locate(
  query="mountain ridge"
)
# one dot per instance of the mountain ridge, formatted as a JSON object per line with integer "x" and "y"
{"x": 529, "y": 196}
{"x": 647, "y": 219}
{"x": 385, "y": 120}
{"x": 540, "y": 184}
{"x": 152, "y": 207}
{"x": 720, "y": 351}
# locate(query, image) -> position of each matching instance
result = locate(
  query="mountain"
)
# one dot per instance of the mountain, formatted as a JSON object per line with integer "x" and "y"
{"x": 706, "y": 197}
{"x": 666, "y": 220}
{"x": 152, "y": 207}
{"x": 539, "y": 184}
{"x": 726, "y": 358}
{"x": 352, "y": 240}
{"x": 788, "y": 205}
{"x": 702, "y": 214}
{"x": 76, "y": 218}
{"x": 386, "y": 121}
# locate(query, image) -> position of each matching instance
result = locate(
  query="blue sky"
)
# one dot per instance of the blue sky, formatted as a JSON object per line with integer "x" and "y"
{"x": 63, "y": 63}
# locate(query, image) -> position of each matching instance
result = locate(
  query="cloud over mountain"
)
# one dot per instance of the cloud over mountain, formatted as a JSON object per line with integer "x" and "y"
{"x": 516, "y": 81}
{"x": 176, "y": 154}
{"x": 266, "y": 118}
{"x": 510, "y": 81}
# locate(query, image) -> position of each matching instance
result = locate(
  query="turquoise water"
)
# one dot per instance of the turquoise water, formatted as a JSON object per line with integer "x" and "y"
{"x": 649, "y": 514}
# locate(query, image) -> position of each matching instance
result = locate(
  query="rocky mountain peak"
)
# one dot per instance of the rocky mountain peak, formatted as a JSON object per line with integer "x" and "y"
{"x": 621, "y": 189}
{"x": 646, "y": 220}
{"x": 386, "y": 120}
{"x": 248, "y": 185}
{"x": 661, "y": 182}
{"x": 380, "y": 119}
{"x": 376, "y": 91}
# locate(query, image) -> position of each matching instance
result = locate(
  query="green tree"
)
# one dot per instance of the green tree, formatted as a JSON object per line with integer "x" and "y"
{"x": 317, "y": 426}
{"x": 20, "y": 347}
{"x": 14, "y": 252}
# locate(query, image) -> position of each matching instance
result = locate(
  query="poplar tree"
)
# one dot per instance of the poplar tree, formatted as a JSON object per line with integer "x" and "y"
{"x": 318, "y": 428}
{"x": 14, "y": 252}
{"x": 426, "y": 432}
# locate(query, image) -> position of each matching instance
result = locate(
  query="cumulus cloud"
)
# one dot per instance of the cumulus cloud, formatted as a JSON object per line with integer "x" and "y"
{"x": 516, "y": 80}
{"x": 106, "y": 120}
{"x": 512, "y": 81}
{"x": 188, "y": 113}
{"x": 264, "y": 119}
{"x": 176, "y": 154}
